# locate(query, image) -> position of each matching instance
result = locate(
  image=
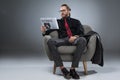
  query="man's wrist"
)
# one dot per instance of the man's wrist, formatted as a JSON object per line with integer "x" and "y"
{"x": 43, "y": 33}
{"x": 76, "y": 36}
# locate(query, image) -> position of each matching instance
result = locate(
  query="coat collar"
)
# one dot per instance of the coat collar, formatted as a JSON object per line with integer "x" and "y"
{"x": 68, "y": 18}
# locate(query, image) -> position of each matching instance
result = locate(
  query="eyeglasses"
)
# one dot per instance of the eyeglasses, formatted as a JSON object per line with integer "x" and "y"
{"x": 62, "y": 10}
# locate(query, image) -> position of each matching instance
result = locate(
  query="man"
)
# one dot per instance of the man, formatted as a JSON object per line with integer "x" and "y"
{"x": 70, "y": 33}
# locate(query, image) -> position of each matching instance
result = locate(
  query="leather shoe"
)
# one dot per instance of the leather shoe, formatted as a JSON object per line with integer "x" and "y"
{"x": 74, "y": 74}
{"x": 66, "y": 73}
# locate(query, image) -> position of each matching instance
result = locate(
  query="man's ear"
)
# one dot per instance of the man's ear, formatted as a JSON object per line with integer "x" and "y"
{"x": 69, "y": 13}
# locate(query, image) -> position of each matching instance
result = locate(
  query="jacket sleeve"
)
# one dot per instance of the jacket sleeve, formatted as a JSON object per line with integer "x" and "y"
{"x": 46, "y": 32}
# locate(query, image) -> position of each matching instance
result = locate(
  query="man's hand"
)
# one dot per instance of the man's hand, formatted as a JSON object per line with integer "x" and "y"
{"x": 43, "y": 29}
{"x": 72, "y": 38}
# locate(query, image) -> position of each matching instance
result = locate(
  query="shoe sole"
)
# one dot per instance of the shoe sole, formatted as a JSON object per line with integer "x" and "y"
{"x": 68, "y": 76}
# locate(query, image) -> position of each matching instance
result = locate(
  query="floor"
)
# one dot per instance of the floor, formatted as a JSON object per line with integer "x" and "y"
{"x": 40, "y": 68}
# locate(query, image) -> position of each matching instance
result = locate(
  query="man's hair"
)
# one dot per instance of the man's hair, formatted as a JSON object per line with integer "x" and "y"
{"x": 66, "y": 6}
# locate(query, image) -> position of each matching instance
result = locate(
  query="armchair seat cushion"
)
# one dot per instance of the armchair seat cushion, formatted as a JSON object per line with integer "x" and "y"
{"x": 66, "y": 49}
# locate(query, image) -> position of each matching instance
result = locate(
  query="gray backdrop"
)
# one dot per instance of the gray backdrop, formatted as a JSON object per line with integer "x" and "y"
{"x": 20, "y": 24}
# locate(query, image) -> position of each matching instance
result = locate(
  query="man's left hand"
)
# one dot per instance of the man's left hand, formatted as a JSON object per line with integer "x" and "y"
{"x": 72, "y": 39}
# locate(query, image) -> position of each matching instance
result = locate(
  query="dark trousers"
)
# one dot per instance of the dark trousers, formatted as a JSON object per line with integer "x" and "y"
{"x": 80, "y": 44}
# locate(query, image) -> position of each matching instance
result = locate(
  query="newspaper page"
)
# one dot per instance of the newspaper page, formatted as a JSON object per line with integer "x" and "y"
{"x": 49, "y": 23}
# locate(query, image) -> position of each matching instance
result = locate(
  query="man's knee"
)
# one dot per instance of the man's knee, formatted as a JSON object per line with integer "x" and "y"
{"x": 82, "y": 40}
{"x": 51, "y": 42}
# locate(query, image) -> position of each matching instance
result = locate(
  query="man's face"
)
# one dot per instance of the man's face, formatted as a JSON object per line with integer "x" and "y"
{"x": 64, "y": 11}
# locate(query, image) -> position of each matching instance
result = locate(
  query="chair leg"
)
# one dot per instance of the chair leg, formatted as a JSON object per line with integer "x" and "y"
{"x": 85, "y": 67}
{"x": 54, "y": 68}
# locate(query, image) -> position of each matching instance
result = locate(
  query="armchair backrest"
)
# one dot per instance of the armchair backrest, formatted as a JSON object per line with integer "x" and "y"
{"x": 87, "y": 29}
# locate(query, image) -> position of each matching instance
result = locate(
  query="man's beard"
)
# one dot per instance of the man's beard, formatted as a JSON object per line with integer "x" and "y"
{"x": 65, "y": 16}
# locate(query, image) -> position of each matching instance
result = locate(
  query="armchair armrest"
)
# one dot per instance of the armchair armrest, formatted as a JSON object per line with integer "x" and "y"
{"x": 52, "y": 34}
{"x": 91, "y": 46}
{"x": 46, "y": 38}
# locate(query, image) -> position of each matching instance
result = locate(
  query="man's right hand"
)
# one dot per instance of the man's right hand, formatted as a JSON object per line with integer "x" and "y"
{"x": 43, "y": 29}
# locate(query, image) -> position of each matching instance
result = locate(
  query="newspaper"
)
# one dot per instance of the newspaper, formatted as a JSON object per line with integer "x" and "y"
{"x": 49, "y": 23}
